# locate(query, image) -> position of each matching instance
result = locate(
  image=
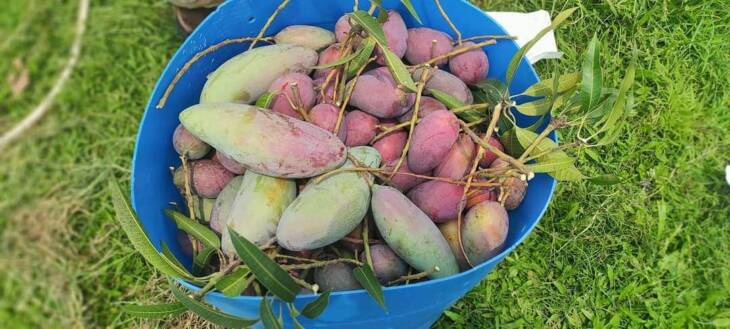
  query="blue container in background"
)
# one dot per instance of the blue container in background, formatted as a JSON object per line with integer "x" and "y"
{"x": 410, "y": 306}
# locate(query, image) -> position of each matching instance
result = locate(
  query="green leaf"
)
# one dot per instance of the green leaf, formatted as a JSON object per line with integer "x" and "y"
{"x": 266, "y": 271}
{"x": 293, "y": 314}
{"x": 452, "y": 102}
{"x": 590, "y": 89}
{"x": 605, "y": 180}
{"x": 201, "y": 260}
{"x": 555, "y": 162}
{"x": 494, "y": 91}
{"x": 337, "y": 62}
{"x": 207, "y": 312}
{"x": 315, "y": 308}
{"x": 552, "y": 164}
{"x": 537, "y": 124}
{"x": 168, "y": 253}
{"x": 409, "y": 6}
{"x": 197, "y": 230}
{"x": 510, "y": 142}
{"x": 267, "y": 315}
{"x": 543, "y": 105}
{"x": 362, "y": 57}
{"x": 382, "y": 16}
{"x": 153, "y": 311}
{"x": 514, "y": 63}
{"x": 545, "y": 87}
{"x": 265, "y": 100}
{"x": 619, "y": 107}
{"x": 365, "y": 276}
{"x": 133, "y": 229}
{"x": 234, "y": 283}
{"x": 570, "y": 173}
{"x": 370, "y": 25}
{"x": 398, "y": 70}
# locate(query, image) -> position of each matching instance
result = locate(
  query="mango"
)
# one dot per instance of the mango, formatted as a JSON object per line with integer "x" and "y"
{"x": 245, "y": 77}
{"x": 432, "y": 140}
{"x": 326, "y": 211}
{"x": 448, "y": 83}
{"x": 425, "y": 43}
{"x": 231, "y": 165}
{"x": 187, "y": 144}
{"x": 458, "y": 161}
{"x": 208, "y": 177}
{"x": 410, "y": 233}
{"x": 471, "y": 66}
{"x": 265, "y": 142}
{"x": 484, "y": 231}
{"x": 450, "y": 231}
{"x": 312, "y": 37}
{"x": 387, "y": 266}
{"x": 335, "y": 277}
{"x": 515, "y": 189}
{"x": 203, "y": 207}
{"x": 222, "y": 207}
{"x": 258, "y": 206}
{"x": 438, "y": 199}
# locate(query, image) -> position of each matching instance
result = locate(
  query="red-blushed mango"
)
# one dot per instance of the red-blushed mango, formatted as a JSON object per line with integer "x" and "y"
{"x": 326, "y": 211}
{"x": 515, "y": 190}
{"x": 326, "y": 96}
{"x": 438, "y": 199}
{"x": 432, "y": 140}
{"x": 484, "y": 231}
{"x": 329, "y": 55}
{"x": 387, "y": 266}
{"x": 396, "y": 33}
{"x": 312, "y": 37}
{"x": 426, "y": 43}
{"x": 490, "y": 156}
{"x": 208, "y": 177}
{"x": 376, "y": 93}
{"x": 353, "y": 240}
{"x": 411, "y": 234}
{"x": 325, "y": 116}
{"x": 448, "y": 83}
{"x": 471, "y": 66}
{"x": 450, "y": 231}
{"x": 499, "y": 163}
{"x": 342, "y": 28}
{"x": 245, "y": 77}
{"x": 221, "y": 211}
{"x": 391, "y": 145}
{"x": 427, "y": 106}
{"x": 402, "y": 180}
{"x": 228, "y": 163}
{"x": 256, "y": 211}
{"x": 361, "y": 128}
{"x": 458, "y": 161}
{"x": 478, "y": 195}
{"x": 285, "y": 96}
{"x": 335, "y": 277}
{"x": 186, "y": 144}
{"x": 265, "y": 142}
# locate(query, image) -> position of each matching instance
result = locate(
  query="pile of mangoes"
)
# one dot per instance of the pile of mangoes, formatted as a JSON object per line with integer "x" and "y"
{"x": 297, "y": 170}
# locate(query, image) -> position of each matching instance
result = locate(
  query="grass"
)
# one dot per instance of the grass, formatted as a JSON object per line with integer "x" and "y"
{"x": 653, "y": 251}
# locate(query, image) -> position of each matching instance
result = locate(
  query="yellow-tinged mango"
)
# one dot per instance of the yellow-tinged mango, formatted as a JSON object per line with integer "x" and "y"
{"x": 312, "y": 37}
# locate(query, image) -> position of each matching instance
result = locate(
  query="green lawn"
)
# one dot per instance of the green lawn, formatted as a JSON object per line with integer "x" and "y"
{"x": 652, "y": 251}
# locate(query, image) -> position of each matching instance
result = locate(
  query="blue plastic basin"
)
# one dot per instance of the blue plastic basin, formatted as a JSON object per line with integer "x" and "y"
{"x": 411, "y": 306}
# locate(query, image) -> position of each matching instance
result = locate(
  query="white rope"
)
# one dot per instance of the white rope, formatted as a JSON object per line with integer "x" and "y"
{"x": 43, "y": 107}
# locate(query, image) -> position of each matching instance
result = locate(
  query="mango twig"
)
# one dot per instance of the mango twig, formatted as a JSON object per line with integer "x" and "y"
{"x": 365, "y": 242}
{"x": 321, "y": 264}
{"x": 490, "y": 36}
{"x": 198, "y": 56}
{"x": 389, "y": 130}
{"x": 448, "y": 20}
{"x": 416, "y": 276}
{"x": 489, "y": 147}
{"x": 313, "y": 287}
{"x": 301, "y": 259}
{"x": 550, "y": 127}
{"x": 217, "y": 277}
{"x": 455, "y": 52}
{"x": 419, "y": 92}
{"x": 268, "y": 23}
{"x": 346, "y": 100}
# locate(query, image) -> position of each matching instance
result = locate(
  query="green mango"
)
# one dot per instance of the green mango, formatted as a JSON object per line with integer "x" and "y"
{"x": 326, "y": 211}
{"x": 245, "y": 77}
{"x": 312, "y": 37}
{"x": 411, "y": 233}
{"x": 258, "y": 206}
{"x": 222, "y": 207}
{"x": 265, "y": 142}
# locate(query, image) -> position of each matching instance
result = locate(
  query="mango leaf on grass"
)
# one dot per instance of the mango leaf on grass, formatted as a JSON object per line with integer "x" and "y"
{"x": 543, "y": 105}
{"x": 266, "y": 271}
{"x": 268, "y": 319}
{"x": 369, "y": 24}
{"x": 398, "y": 70}
{"x": 197, "y": 230}
{"x": 514, "y": 63}
{"x": 605, "y": 180}
{"x": 591, "y": 85}
{"x": 365, "y": 276}
{"x": 611, "y": 121}
{"x": 207, "y": 312}
{"x": 316, "y": 307}
{"x": 154, "y": 311}
{"x": 555, "y": 162}
{"x": 133, "y": 229}
{"x": 546, "y": 87}
{"x": 234, "y": 283}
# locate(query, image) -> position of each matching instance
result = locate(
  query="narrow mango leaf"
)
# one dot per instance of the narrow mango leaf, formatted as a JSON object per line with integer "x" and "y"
{"x": 555, "y": 162}
{"x": 265, "y": 100}
{"x": 510, "y": 142}
{"x": 545, "y": 87}
{"x": 293, "y": 314}
{"x": 382, "y": 15}
{"x": 201, "y": 260}
{"x": 543, "y": 105}
{"x": 570, "y": 173}
{"x": 552, "y": 164}
{"x": 197, "y": 230}
{"x": 494, "y": 91}
{"x": 365, "y": 276}
{"x": 411, "y": 9}
{"x": 315, "y": 308}
{"x": 133, "y": 229}
{"x": 153, "y": 311}
{"x": 398, "y": 70}
{"x": 207, "y": 312}
{"x": 234, "y": 283}
{"x": 267, "y": 315}
{"x": 515, "y": 61}
{"x": 266, "y": 271}
{"x": 605, "y": 180}
{"x": 370, "y": 25}
{"x": 168, "y": 253}
{"x": 619, "y": 106}
{"x": 601, "y": 109}
{"x": 526, "y": 138}
{"x": 591, "y": 85}
{"x": 337, "y": 62}
{"x": 452, "y": 103}
{"x": 537, "y": 124}
{"x": 361, "y": 58}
